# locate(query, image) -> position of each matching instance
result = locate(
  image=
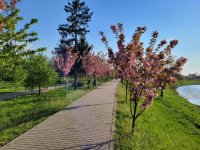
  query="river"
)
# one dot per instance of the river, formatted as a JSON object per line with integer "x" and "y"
{"x": 191, "y": 93}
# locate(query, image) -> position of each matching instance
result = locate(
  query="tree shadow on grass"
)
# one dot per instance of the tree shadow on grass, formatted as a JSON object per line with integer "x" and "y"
{"x": 31, "y": 116}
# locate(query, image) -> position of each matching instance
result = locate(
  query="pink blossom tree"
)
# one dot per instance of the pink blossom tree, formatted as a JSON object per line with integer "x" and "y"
{"x": 145, "y": 70}
{"x": 65, "y": 64}
{"x": 95, "y": 66}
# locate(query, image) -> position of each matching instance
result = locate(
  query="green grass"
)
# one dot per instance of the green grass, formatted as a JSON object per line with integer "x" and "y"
{"x": 188, "y": 82}
{"x": 9, "y": 87}
{"x": 171, "y": 123}
{"x": 18, "y": 116}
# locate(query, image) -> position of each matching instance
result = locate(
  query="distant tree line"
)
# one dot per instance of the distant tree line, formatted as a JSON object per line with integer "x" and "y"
{"x": 193, "y": 76}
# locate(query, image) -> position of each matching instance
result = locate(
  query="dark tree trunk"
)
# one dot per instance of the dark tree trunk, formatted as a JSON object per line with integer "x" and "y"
{"x": 126, "y": 82}
{"x": 75, "y": 78}
{"x": 134, "y": 115}
{"x": 126, "y": 92}
{"x": 95, "y": 81}
{"x": 133, "y": 125}
{"x": 76, "y": 63}
{"x": 15, "y": 92}
{"x": 88, "y": 83}
{"x": 65, "y": 89}
{"x": 39, "y": 90}
{"x": 161, "y": 93}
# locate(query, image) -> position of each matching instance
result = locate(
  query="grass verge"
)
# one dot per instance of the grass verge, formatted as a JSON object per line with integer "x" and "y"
{"x": 171, "y": 123}
{"x": 188, "y": 82}
{"x": 18, "y": 116}
{"x": 9, "y": 87}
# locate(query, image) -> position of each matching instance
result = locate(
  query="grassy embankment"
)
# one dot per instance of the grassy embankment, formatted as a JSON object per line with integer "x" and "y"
{"x": 18, "y": 116}
{"x": 171, "y": 123}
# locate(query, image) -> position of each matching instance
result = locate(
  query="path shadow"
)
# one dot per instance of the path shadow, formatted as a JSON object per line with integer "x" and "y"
{"x": 95, "y": 146}
{"x": 80, "y": 106}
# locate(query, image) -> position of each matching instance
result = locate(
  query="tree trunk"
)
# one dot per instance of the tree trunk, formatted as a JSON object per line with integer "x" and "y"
{"x": 95, "y": 81}
{"x": 126, "y": 92}
{"x": 39, "y": 90}
{"x": 76, "y": 63}
{"x": 75, "y": 78}
{"x": 133, "y": 124}
{"x": 134, "y": 115}
{"x": 126, "y": 82}
{"x": 66, "y": 89}
{"x": 161, "y": 93}
{"x": 88, "y": 83}
{"x": 15, "y": 92}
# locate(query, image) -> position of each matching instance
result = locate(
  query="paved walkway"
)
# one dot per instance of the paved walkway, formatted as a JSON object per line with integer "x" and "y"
{"x": 87, "y": 124}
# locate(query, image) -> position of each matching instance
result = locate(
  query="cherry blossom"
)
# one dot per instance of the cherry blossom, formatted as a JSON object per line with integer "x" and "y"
{"x": 144, "y": 71}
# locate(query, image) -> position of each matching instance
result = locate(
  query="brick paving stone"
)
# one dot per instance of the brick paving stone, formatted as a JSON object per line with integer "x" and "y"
{"x": 87, "y": 124}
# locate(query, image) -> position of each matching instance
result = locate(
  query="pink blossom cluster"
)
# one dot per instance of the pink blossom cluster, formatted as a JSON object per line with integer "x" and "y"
{"x": 65, "y": 64}
{"x": 8, "y": 4}
{"x": 95, "y": 65}
{"x": 2, "y": 5}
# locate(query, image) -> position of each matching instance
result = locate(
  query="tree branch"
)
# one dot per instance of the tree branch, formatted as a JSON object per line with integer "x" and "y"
{"x": 140, "y": 112}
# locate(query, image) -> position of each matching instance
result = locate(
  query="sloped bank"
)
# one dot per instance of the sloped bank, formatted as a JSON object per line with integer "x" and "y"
{"x": 171, "y": 123}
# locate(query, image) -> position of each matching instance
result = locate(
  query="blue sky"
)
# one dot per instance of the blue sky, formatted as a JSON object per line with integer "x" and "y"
{"x": 173, "y": 19}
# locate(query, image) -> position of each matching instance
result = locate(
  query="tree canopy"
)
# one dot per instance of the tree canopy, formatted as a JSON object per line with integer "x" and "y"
{"x": 40, "y": 72}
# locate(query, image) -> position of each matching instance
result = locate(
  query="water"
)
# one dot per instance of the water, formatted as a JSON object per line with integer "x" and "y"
{"x": 191, "y": 93}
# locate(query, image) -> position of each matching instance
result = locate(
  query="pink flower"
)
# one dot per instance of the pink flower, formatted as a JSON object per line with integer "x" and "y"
{"x": 65, "y": 65}
{"x": 172, "y": 80}
{"x": 163, "y": 42}
{"x": 181, "y": 61}
{"x": 173, "y": 43}
{"x": 2, "y": 5}
{"x": 114, "y": 29}
{"x": 151, "y": 95}
{"x": 95, "y": 65}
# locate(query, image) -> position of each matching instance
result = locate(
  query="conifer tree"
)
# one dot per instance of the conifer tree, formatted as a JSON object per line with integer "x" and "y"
{"x": 79, "y": 16}
{"x": 84, "y": 48}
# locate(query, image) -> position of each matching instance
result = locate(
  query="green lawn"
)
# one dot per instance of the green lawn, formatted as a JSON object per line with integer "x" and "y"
{"x": 171, "y": 123}
{"x": 9, "y": 87}
{"x": 20, "y": 115}
{"x": 188, "y": 82}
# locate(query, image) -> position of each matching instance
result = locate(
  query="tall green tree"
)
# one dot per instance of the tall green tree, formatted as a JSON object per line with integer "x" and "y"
{"x": 19, "y": 76}
{"x": 13, "y": 42}
{"x": 40, "y": 72}
{"x": 79, "y": 16}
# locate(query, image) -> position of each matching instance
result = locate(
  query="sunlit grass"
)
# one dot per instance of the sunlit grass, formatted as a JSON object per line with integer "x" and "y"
{"x": 188, "y": 82}
{"x": 171, "y": 123}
